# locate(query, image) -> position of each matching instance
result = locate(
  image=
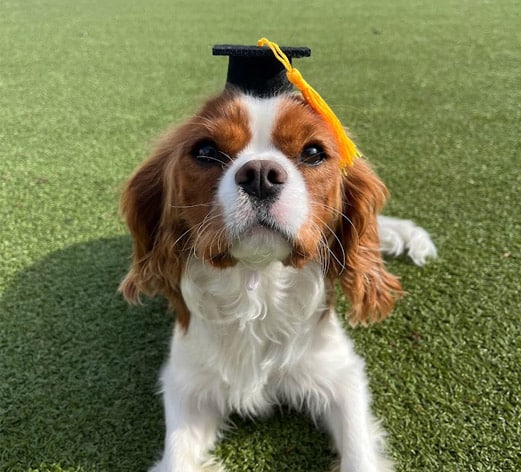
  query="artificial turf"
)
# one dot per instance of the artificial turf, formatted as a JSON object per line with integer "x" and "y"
{"x": 432, "y": 92}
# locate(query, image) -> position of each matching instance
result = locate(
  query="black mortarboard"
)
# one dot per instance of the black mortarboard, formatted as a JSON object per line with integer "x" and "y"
{"x": 256, "y": 71}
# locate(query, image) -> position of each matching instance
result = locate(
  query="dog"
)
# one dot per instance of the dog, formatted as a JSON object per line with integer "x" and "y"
{"x": 243, "y": 220}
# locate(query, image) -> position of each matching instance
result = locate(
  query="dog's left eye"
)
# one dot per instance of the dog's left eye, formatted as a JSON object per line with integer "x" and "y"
{"x": 207, "y": 153}
{"x": 312, "y": 155}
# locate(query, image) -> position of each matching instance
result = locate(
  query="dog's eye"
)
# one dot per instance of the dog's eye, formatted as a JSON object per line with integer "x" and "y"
{"x": 312, "y": 155}
{"x": 207, "y": 153}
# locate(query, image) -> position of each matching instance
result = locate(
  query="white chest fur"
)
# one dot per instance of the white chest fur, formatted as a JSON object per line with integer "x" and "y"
{"x": 247, "y": 331}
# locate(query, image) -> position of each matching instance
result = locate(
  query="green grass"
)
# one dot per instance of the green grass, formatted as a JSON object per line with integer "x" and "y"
{"x": 432, "y": 92}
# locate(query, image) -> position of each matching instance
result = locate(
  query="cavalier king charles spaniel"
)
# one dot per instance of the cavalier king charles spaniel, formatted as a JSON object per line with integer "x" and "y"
{"x": 244, "y": 221}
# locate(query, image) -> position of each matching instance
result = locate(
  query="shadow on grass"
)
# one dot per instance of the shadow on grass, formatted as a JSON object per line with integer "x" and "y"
{"x": 79, "y": 368}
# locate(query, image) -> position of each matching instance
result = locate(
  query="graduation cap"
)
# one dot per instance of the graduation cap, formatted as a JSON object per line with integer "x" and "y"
{"x": 267, "y": 71}
{"x": 256, "y": 71}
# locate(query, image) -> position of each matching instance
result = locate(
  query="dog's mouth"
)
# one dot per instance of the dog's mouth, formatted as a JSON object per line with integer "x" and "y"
{"x": 267, "y": 224}
{"x": 261, "y": 242}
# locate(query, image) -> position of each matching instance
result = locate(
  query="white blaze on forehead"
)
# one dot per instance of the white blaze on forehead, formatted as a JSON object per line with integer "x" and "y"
{"x": 262, "y": 113}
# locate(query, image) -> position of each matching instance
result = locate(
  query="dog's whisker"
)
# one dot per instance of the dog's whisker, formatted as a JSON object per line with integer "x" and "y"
{"x": 341, "y": 262}
{"x": 230, "y": 159}
{"x": 216, "y": 159}
{"x": 204, "y": 225}
{"x": 195, "y": 205}
{"x": 324, "y": 243}
{"x": 182, "y": 236}
{"x": 342, "y": 215}
{"x": 336, "y": 211}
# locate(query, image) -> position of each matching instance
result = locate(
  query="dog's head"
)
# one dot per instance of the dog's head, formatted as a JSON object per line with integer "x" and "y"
{"x": 254, "y": 180}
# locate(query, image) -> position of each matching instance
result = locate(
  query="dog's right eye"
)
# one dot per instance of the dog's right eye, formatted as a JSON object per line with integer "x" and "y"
{"x": 207, "y": 153}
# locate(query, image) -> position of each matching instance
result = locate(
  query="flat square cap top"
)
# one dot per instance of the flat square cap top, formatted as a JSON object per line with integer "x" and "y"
{"x": 255, "y": 70}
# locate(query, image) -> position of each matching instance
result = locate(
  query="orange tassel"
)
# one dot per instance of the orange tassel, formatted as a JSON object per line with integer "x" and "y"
{"x": 348, "y": 150}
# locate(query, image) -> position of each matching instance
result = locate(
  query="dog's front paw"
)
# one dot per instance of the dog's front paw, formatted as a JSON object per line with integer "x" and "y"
{"x": 335, "y": 466}
{"x": 157, "y": 468}
{"x": 211, "y": 465}
{"x": 384, "y": 465}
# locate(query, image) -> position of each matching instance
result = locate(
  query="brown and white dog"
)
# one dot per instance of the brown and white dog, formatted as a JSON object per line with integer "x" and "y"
{"x": 244, "y": 221}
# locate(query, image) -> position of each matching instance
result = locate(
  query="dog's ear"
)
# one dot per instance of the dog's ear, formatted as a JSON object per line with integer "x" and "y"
{"x": 156, "y": 262}
{"x": 357, "y": 261}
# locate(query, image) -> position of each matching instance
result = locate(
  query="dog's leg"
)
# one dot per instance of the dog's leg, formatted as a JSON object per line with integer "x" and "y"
{"x": 191, "y": 432}
{"x": 356, "y": 434}
{"x": 331, "y": 377}
{"x": 399, "y": 236}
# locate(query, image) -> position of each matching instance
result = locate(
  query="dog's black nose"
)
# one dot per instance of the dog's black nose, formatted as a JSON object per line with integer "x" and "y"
{"x": 261, "y": 178}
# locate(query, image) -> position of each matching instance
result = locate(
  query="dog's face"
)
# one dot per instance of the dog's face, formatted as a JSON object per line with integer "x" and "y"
{"x": 267, "y": 193}
{"x": 254, "y": 181}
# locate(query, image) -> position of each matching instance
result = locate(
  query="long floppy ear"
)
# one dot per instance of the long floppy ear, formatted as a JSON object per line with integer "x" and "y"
{"x": 358, "y": 263}
{"x": 156, "y": 265}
